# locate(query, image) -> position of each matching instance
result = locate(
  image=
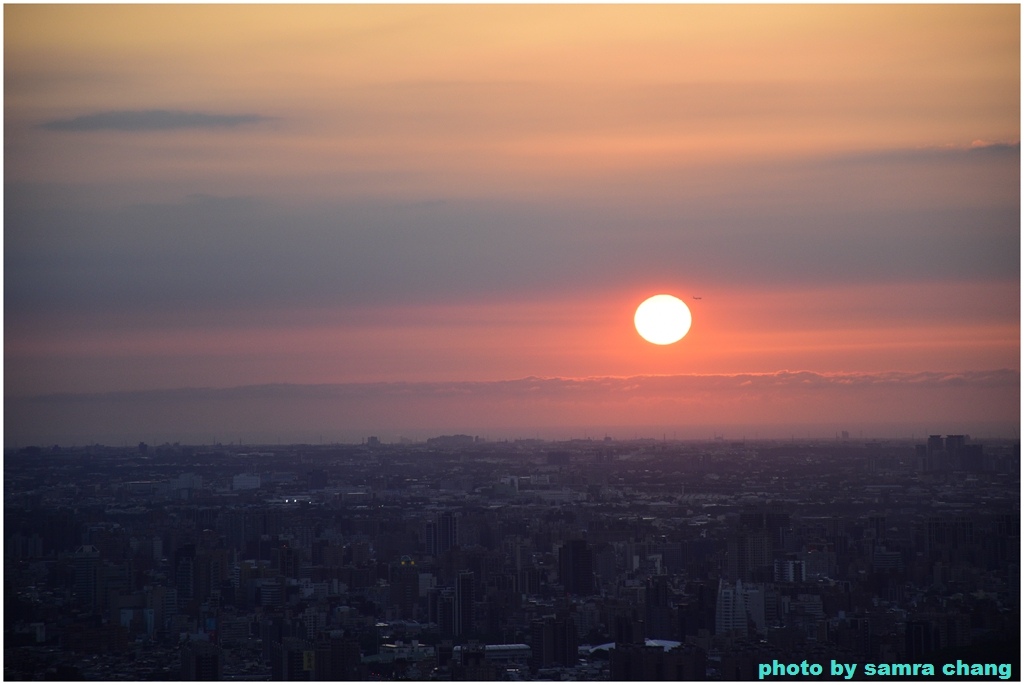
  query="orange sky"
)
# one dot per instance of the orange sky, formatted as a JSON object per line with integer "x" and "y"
{"x": 218, "y": 196}
{"x": 497, "y": 95}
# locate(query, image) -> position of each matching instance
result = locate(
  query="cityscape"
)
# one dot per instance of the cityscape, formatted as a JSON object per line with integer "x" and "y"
{"x": 512, "y": 342}
{"x": 457, "y": 558}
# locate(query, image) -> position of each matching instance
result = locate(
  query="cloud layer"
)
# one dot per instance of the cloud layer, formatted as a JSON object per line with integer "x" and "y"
{"x": 151, "y": 120}
{"x": 984, "y": 403}
{"x": 893, "y": 217}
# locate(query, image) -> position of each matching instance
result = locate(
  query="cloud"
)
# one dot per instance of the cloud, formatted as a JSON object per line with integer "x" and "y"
{"x": 934, "y": 154}
{"x": 674, "y": 385}
{"x": 151, "y": 120}
{"x": 765, "y": 404}
{"x": 840, "y": 230}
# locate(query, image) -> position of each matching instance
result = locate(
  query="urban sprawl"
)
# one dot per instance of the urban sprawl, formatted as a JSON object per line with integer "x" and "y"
{"x": 458, "y": 558}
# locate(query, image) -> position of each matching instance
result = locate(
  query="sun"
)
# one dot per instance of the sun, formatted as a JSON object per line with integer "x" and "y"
{"x": 662, "y": 319}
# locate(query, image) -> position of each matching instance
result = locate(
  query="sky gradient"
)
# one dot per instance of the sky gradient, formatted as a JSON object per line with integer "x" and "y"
{"x": 238, "y": 199}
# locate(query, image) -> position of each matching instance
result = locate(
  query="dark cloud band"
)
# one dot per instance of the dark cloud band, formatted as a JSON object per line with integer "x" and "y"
{"x": 151, "y": 120}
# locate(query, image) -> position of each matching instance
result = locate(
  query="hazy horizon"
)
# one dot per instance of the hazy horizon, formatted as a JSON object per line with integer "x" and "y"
{"x": 679, "y": 407}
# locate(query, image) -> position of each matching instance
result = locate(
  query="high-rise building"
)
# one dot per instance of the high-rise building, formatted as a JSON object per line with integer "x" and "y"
{"x": 337, "y": 657}
{"x": 86, "y": 565}
{"x": 659, "y": 614}
{"x": 201, "y": 660}
{"x": 292, "y": 659}
{"x": 920, "y": 639}
{"x": 270, "y": 592}
{"x": 286, "y": 561}
{"x": 553, "y": 642}
{"x": 441, "y": 610}
{"x": 430, "y": 537}
{"x": 447, "y": 531}
{"x": 627, "y": 627}
{"x": 464, "y": 598}
{"x": 790, "y": 571}
{"x": 211, "y": 571}
{"x": 405, "y": 587}
{"x": 185, "y": 574}
{"x": 731, "y": 609}
{"x": 747, "y": 553}
{"x": 472, "y": 664}
{"x": 441, "y": 533}
{"x": 576, "y": 567}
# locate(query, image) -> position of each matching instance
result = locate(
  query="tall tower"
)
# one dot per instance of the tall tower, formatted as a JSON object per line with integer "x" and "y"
{"x": 430, "y": 537}
{"x": 464, "y": 604}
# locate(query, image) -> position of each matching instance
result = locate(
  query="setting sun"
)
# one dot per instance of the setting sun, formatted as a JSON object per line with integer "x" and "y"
{"x": 662, "y": 319}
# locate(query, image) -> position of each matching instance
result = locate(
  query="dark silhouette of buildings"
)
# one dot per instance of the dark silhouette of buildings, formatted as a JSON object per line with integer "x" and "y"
{"x": 576, "y": 567}
{"x": 442, "y": 533}
{"x": 631, "y": 662}
{"x": 583, "y": 560}
{"x": 553, "y": 641}
{"x": 201, "y": 660}
{"x": 464, "y": 598}
{"x": 405, "y": 587}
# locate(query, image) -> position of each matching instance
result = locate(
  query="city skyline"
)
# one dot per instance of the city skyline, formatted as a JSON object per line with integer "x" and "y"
{"x": 447, "y": 216}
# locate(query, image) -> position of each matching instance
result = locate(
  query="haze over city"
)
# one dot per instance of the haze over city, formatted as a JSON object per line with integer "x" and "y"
{"x": 317, "y": 223}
